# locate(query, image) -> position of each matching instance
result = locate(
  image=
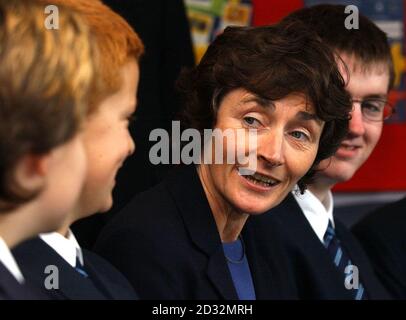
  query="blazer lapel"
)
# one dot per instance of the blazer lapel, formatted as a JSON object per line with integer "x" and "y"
{"x": 10, "y": 289}
{"x": 367, "y": 276}
{"x": 101, "y": 283}
{"x": 35, "y": 255}
{"x": 262, "y": 276}
{"x": 316, "y": 266}
{"x": 219, "y": 275}
{"x": 185, "y": 187}
{"x": 8, "y": 282}
{"x": 72, "y": 284}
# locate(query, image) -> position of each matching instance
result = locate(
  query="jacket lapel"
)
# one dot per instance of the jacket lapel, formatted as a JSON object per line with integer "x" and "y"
{"x": 100, "y": 282}
{"x": 35, "y": 255}
{"x": 10, "y": 289}
{"x": 314, "y": 267}
{"x": 262, "y": 275}
{"x": 185, "y": 187}
{"x": 219, "y": 275}
{"x": 367, "y": 276}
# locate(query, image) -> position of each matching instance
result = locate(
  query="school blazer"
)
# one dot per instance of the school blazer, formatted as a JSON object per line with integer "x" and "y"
{"x": 315, "y": 274}
{"x": 383, "y": 236}
{"x": 104, "y": 281}
{"x": 166, "y": 243}
{"x": 11, "y": 289}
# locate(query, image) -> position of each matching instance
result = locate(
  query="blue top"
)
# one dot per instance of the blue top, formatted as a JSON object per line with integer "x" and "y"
{"x": 239, "y": 269}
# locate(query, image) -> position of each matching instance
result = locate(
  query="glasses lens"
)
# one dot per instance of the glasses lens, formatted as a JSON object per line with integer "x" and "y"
{"x": 376, "y": 109}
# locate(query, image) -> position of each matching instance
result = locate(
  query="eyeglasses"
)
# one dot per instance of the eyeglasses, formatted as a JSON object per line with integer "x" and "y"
{"x": 375, "y": 109}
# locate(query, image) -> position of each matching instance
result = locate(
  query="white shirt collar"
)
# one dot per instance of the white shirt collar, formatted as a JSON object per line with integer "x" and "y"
{"x": 315, "y": 212}
{"x": 67, "y": 247}
{"x": 6, "y": 257}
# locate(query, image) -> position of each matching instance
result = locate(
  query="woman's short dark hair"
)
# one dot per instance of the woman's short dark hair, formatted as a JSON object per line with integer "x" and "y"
{"x": 270, "y": 62}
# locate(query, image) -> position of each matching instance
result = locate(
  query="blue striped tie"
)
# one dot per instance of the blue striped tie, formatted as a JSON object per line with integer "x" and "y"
{"x": 79, "y": 268}
{"x": 341, "y": 259}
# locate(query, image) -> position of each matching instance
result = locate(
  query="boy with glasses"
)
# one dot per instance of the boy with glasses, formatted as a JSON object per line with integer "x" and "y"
{"x": 327, "y": 261}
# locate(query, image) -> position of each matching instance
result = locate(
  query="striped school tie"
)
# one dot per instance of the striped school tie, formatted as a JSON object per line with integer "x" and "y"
{"x": 80, "y": 268}
{"x": 341, "y": 259}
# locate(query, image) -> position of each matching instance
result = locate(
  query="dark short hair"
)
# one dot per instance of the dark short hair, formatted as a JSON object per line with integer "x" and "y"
{"x": 368, "y": 44}
{"x": 44, "y": 80}
{"x": 270, "y": 62}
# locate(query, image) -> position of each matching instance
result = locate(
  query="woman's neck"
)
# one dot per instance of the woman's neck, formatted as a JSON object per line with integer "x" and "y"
{"x": 229, "y": 222}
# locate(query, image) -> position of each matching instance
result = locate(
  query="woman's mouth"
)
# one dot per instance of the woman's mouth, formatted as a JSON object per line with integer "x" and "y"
{"x": 260, "y": 179}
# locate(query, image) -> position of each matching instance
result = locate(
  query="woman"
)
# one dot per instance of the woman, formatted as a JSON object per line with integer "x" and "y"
{"x": 181, "y": 239}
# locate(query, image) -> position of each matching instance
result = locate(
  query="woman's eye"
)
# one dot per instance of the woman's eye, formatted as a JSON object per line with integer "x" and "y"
{"x": 299, "y": 135}
{"x": 252, "y": 122}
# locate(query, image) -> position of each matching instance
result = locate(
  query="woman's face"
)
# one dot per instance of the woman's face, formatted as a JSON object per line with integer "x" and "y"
{"x": 287, "y": 139}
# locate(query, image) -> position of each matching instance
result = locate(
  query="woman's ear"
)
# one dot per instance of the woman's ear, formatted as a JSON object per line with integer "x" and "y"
{"x": 31, "y": 171}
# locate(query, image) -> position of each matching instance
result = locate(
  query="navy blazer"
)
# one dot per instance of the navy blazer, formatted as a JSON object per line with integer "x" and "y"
{"x": 104, "y": 281}
{"x": 11, "y": 289}
{"x": 315, "y": 274}
{"x": 383, "y": 236}
{"x": 167, "y": 244}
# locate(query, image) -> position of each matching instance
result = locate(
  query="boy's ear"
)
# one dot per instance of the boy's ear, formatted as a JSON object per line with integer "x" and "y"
{"x": 31, "y": 171}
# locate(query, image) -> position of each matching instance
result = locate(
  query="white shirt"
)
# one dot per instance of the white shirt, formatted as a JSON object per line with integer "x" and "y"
{"x": 315, "y": 212}
{"x": 9, "y": 262}
{"x": 68, "y": 248}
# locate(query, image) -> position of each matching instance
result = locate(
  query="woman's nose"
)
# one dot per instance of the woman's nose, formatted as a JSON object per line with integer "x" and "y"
{"x": 270, "y": 148}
